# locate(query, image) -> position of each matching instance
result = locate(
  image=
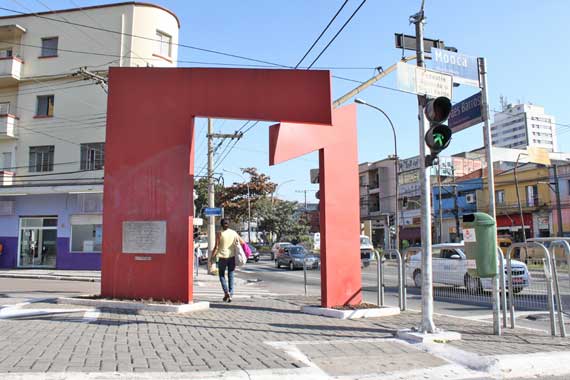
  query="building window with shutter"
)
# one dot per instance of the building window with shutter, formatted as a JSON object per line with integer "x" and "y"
{"x": 41, "y": 158}
{"x": 92, "y": 156}
{"x": 45, "y": 105}
{"x": 163, "y": 44}
{"x": 49, "y": 47}
{"x": 500, "y": 196}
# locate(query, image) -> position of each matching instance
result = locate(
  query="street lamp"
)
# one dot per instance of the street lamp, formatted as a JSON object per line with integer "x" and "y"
{"x": 396, "y": 218}
{"x": 277, "y": 188}
{"x": 519, "y": 201}
{"x": 248, "y": 204}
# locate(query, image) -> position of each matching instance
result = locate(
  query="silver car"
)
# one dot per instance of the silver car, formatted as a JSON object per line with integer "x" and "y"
{"x": 450, "y": 267}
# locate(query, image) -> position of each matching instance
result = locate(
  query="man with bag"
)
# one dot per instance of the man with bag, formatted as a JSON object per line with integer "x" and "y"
{"x": 228, "y": 246}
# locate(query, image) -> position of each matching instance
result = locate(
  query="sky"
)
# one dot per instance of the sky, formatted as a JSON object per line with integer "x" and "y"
{"x": 523, "y": 41}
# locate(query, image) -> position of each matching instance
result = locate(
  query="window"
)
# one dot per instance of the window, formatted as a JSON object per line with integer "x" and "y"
{"x": 45, "y": 105}
{"x": 41, "y": 158}
{"x": 49, "y": 47}
{"x": 568, "y": 187}
{"x": 7, "y": 161}
{"x": 4, "y": 108}
{"x": 164, "y": 44}
{"x": 6, "y": 53}
{"x": 86, "y": 233}
{"x": 532, "y": 195}
{"x": 500, "y": 196}
{"x": 92, "y": 156}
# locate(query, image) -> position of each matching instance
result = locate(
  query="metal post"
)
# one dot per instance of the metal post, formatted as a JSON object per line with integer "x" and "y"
{"x": 379, "y": 280}
{"x": 558, "y": 298}
{"x": 558, "y": 204}
{"x": 401, "y": 281}
{"x": 404, "y": 281}
{"x": 440, "y": 204}
{"x": 503, "y": 297}
{"x": 510, "y": 288}
{"x": 491, "y": 182}
{"x": 548, "y": 275}
{"x": 248, "y": 214}
{"x": 211, "y": 199}
{"x": 427, "y": 324}
{"x": 305, "y": 272}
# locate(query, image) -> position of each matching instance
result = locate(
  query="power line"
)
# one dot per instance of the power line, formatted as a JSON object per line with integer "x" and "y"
{"x": 149, "y": 39}
{"x": 322, "y": 33}
{"x": 337, "y": 34}
{"x": 312, "y": 63}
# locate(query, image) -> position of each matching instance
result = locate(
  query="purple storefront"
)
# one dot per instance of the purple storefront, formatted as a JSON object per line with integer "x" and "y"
{"x": 61, "y": 231}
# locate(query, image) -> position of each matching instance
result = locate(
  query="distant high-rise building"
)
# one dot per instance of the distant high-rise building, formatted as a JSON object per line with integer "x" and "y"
{"x": 522, "y": 125}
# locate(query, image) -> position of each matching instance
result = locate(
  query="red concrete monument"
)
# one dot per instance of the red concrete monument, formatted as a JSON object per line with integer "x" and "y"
{"x": 149, "y": 170}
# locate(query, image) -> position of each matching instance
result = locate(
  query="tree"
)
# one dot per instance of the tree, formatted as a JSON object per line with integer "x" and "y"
{"x": 234, "y": 198}
{"x": 278, "y": 218}
{"x": 201, "y": 187}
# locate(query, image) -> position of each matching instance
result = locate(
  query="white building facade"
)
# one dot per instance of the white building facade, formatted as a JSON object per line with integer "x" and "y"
{"x": 522, "y": 125}
{"x": 53, "y": 119}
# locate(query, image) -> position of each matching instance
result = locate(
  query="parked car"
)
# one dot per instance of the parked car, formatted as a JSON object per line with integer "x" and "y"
{"x": 254, "y": 254}
{"x": 292, "y": 258}
{"x": 450, "y": 267}
{"x": 278, "y": 248}
{"x": 366, "y": 250}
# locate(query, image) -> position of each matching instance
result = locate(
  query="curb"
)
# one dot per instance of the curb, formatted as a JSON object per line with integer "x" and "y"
{"x": 48, "y": 277}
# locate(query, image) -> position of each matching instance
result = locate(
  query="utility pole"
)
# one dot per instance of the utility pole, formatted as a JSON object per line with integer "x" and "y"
{"x": 491, "y": 183}
{"x": 558, "y": 205}
{"x": 211, "y": 191}
{"x": 456, "y": 212}
{"x": 305, "y": 192}
{"x": 427, "y": 324}
{"x": 440, "y": 203}
{"x": 86, "y": 74}
{"x": 211, "y": 198}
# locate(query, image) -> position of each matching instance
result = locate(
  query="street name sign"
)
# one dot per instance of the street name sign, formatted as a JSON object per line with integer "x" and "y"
{"x": 212, "y": 211}
{"x": 466, "y": 113}
{"x": 422, "y": 81}
{"x": 464, "y": 68}
{"x": 404, "y": 41}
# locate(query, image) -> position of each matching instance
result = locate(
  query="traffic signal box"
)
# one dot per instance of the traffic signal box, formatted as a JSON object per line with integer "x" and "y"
{"x": 438, "y": 135}
{"x": 480, "y": 239}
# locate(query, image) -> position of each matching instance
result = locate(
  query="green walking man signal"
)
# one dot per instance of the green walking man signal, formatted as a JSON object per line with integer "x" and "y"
{"x": 438, "y": 135}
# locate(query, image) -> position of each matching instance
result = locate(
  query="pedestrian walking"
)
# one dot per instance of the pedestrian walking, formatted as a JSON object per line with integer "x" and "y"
{"x": 224, "y": 250}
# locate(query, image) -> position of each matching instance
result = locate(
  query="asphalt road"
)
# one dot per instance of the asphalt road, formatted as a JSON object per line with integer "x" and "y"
{"x": 452, "y": 301}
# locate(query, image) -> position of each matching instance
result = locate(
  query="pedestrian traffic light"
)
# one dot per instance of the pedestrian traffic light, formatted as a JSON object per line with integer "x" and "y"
{"x": 405, "y": 202}
{"x": 438, "y": 135}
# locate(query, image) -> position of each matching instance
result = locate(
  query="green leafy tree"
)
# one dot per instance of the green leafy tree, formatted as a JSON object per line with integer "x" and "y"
{"x": 234, "y": 198}
{"x": 278, "y": 218}
{"x": 201, "y": 187}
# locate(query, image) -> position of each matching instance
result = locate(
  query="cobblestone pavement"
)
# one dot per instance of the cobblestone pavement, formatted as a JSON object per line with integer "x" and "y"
{"x": 248, "y": 335}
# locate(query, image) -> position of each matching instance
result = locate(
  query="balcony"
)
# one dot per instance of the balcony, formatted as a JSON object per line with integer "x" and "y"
{"x": 8, "y": 128}
{"x": 6, "y": 178}
{"x": 10, "y": 68}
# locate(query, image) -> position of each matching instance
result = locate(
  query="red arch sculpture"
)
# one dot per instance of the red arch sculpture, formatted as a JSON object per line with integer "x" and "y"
{"x": 149, "y": 169}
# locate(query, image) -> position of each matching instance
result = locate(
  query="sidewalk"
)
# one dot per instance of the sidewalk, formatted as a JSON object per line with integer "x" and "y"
{"x": 261, "y": 338}
{"x": 53, "y": 274}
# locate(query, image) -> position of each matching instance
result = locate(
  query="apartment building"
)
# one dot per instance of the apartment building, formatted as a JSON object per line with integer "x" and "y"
{"x": 522, "y": 125}
{"x": 53, "y": 119}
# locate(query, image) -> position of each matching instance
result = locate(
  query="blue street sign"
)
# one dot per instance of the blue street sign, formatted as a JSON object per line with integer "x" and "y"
{"x": 212, "y": 211}
{"x": 466, "y": 113}
{"x": 464, "y": 68}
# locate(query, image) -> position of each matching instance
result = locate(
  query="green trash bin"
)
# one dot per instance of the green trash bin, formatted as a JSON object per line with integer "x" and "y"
{"x": 480, "y": 239}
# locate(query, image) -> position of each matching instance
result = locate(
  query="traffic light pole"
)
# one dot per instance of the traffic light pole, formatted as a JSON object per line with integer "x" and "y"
{"x": 427, "y": 324}
{"x": 491, "y": 182}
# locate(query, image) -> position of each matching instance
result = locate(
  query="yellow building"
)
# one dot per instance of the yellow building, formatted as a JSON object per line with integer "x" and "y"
{"x": 535, "y": 200}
